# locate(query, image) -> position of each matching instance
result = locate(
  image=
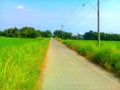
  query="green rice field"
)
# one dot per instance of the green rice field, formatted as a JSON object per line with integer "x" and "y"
{"x": 20, "y": 60}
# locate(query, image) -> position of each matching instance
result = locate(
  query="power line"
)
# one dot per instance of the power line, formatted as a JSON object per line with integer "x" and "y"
{"x": 95, "y": 7}
{"x": 87, "y": 13}
{"x": 73, "y": 16}
{"x": 77, "y": 13}
{"x": 92, "y": 5}
{"x": 73, "y": 26}
{"x": 69, "y": 19}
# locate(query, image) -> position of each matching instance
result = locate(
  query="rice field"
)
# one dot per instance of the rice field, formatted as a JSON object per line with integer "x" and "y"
{"x": 20, "y": 60}
{"x": 107, "y": 56}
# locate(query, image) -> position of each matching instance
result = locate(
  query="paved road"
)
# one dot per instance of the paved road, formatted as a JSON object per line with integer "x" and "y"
{"x": 66, "y": 70}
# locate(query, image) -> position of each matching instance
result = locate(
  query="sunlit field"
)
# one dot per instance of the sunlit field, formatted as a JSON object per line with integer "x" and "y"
{"x": 107, "y": 56}
{"x": 20, "y": 60}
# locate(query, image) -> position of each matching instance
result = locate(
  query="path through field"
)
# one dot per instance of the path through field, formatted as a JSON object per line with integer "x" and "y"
{"x": 66, "y": 70}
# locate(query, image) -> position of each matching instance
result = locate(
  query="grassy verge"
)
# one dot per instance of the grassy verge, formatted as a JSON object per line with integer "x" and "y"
{"x": 59, "y": 39}
{"x": 20, "y": 60}
{"x": 107, "y": 56}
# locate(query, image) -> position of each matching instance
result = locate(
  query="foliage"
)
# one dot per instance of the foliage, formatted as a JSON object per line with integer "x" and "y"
{"x": 59, "y": 39}
{"x": 11, "y": 32}
{"x": 28, "y": 32}
{"x": 46, "y": 33}
{"x": 108, "y": 55}
{"x": 90, "y": 35}
{"x": 104, "y": 36}
{"x": 25, "y": 32}
{"x": 62, "y": 34}
{"x": 20, "y": 60}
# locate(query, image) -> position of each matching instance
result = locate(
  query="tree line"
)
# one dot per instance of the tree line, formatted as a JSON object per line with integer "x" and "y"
{"x": 91, "y": 35}
{"x": 30, "y": 32}
{"x": 62, "y": 34}
{"x": 25, "y": 32}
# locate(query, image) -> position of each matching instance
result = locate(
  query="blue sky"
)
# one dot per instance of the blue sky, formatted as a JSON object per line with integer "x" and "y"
{"x": 76, "y": 15}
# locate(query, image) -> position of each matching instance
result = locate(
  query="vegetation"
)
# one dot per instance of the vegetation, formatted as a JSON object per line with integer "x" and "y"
{"x": 91, "y": 35}
{"x": 62, "y": 34}
{"x": 108, "y": 55}
{"x": 25, "y": 32}
{"x": 46, "y": 33}
{"x": 104, "y": 36}
{"x": 20, "y": 60}
{"x": 30, "y": 32}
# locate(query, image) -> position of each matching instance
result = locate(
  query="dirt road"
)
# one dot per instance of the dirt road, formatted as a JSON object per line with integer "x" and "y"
{"x": 66, "y": 70}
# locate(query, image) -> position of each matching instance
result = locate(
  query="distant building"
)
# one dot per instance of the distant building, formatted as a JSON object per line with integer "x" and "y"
{"x": 80, "y": 35}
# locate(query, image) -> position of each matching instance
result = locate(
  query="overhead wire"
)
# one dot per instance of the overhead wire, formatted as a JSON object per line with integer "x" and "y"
{"x": 69, "y": 19}
{"x": 86, "y": 15}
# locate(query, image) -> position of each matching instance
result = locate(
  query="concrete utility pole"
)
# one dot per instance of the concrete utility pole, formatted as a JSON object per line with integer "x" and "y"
{"x": 98, "y": 21}
{"x": 62, "y": 26}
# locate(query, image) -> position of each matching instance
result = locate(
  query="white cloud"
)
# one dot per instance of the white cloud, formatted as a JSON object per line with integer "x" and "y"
{"x": 20, "y": 7}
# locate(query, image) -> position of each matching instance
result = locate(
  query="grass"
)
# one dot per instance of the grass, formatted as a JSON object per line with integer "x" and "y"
{"x": 20, "y": 60}
{"x": 107, "y": 56}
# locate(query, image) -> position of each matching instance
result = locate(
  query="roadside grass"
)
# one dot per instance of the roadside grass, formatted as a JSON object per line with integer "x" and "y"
{"x": 107, "y": 56}
{"x": 20, "y": 60}
{"x": 59, "y": 39}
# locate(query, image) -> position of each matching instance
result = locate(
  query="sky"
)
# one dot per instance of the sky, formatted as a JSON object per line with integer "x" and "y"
{"x": 77, "y": 16}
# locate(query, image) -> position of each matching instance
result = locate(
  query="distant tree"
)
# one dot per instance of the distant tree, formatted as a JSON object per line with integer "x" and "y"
{"x": 104, "y": 36}
{"x": 1, "y": 33}
{"x": 66, "y": 35}
{"x": 38, "y": 33}
{"x": 46, "y": 33}
{"x": 90, "y": 35}
{"x": 58, "y": 33}
{"x": 62, "y": 34}
{"x": 28, "y": 32}
{"x": 11, "y": 32}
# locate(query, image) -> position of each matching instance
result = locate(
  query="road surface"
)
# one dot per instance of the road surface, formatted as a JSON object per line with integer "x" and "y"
{"x": 66, "y": 70}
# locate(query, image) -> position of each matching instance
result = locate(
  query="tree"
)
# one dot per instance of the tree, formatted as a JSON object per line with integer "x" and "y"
{"x": 25, "y": 32}
{"x": 62, "y": 34}
{"x": 104, "y": 36}
{"x": 58, "y": 33}
{"x": 46, "y": 33}
{"x": 1, "y": 33}
{"x": 90, "y": 35}
{"x": 38, "y": 33}
{"x": 28, "y": 32}
{"x": 11, "y": 32}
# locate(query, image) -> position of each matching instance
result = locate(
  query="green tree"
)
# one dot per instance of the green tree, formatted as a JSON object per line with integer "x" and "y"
{"x": 1, "y": 33}
{"x": 90, "y": 35}
{"x": 104, "y": 36}
{"x": 62, "y": 34}
{"x": 46, "y": 33}
{"x": 38, "y": 33}
{"x": 28, "y": 32}
{"x": 11, "y": 32}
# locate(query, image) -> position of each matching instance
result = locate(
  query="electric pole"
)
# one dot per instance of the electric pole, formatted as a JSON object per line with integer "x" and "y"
{"x": 62, "y": 26}
{"x": 98, "y": 21}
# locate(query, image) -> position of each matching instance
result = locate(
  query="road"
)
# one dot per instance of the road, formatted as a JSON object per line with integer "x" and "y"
{"x": 66, "y": 70}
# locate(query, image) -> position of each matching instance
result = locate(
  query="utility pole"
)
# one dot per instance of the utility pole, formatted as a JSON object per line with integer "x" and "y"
{"x": 62, "y": 26}
{"x": 98, "y": 21}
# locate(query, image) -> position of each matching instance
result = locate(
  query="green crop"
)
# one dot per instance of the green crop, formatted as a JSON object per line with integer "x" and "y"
{"x": 20, "y": 60}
